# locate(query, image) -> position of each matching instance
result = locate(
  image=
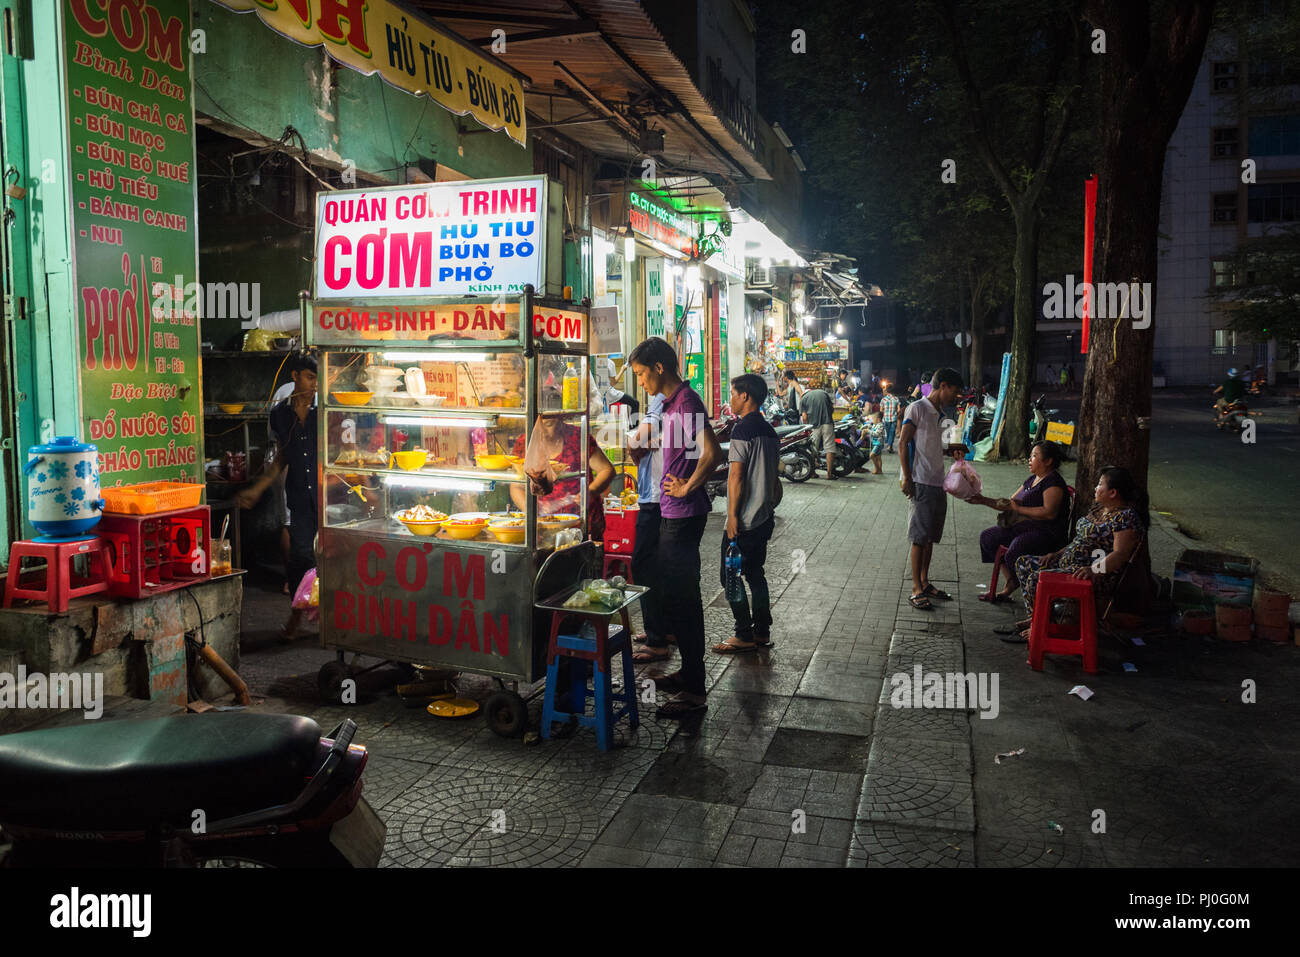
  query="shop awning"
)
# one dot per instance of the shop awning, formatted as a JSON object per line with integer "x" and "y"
{"x": 410, "y": 53}
{"x": 603, "y": 74}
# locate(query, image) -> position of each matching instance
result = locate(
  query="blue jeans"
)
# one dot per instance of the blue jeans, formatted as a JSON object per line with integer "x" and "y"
{"x": 889, "y": 434}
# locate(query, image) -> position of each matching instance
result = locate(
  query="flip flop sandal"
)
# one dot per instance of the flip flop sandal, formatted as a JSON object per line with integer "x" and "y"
{"x": 727, "y": 648}
{"x": 651, "y": 653}
{"x": 677, "y": 709}
{"x": 939, "y": 593}
{"x": 1019, "y": 638}
{"x": 1006, "y": 630}
{"x": 921, "y": 601}
{"x": 667, "y": 683}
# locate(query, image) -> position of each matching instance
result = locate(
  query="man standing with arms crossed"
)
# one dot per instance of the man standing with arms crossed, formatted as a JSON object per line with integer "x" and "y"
{"x": 920, "y": 453}
{"x": 690, "y": 454}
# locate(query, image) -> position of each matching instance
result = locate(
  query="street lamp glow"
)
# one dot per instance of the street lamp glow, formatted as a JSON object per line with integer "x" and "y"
{"x": 839, "y": 328}
{"x": 629, "y": 249}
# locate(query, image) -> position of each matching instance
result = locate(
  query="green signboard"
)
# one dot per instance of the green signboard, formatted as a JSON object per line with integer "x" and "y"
{"x": 130, "y": 112}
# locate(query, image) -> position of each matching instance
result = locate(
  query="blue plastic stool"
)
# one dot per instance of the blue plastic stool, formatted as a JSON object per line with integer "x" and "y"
{"x": 600, "y": 650}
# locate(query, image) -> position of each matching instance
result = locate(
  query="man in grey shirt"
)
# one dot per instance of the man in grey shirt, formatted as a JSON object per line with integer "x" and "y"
{"x": 920, "y": 454}
{"x": 816, "y": 405}
{"x": 753, "y": 492}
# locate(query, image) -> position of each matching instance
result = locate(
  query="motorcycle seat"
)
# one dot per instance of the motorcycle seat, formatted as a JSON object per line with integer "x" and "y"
{"x": 783, "y": 430}
{"x": 134, "y": 774}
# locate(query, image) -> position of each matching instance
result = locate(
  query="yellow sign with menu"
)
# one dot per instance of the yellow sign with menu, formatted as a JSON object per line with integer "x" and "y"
{"x": 377, "y": 36}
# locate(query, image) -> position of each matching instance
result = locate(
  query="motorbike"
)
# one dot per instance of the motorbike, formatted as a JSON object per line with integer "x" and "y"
{"x": 848, "y": 456}
{"x": 796, "y": 459}
{"x": 1233, "y": 417}
{"x": 778, "y": 413}
{"x": 231, "y": 789}
{"x": 1043, "y": 417}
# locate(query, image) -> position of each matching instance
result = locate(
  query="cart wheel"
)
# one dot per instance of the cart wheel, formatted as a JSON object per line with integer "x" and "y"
{"x": 329, "y": 681}
{"x": 507, "y": 714}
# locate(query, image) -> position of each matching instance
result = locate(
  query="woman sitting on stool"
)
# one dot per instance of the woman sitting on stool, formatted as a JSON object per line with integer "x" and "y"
{"x": 1034, "y": 521}
{"x": 1104, "y": 541}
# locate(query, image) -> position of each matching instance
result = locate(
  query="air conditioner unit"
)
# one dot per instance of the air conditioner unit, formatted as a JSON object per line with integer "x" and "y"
{"x": 759, "y": 277}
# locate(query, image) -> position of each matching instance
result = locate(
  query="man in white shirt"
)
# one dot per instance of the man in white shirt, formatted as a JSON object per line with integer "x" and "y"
{"x": 920, "y": 455}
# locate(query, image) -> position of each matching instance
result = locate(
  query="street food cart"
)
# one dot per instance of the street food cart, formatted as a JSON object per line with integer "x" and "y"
{"x": 431, "y": 549}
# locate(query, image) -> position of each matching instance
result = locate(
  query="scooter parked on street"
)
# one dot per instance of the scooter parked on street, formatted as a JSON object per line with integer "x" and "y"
{"x": 793, "y": 449}
{"x": 207, "y": 790}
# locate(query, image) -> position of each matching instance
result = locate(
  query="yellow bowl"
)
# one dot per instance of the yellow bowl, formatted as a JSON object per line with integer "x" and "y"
{"x": 493, "y": 463}
{"x": 352, "y": 398}
{"x": 508, "y": 536}
{"x": 559, "y": 521}
{"x": 409, "y": 460}
{"x": 464, "y": 532}
{"x": 421, "y": 528}
{"x": 231, "y": 408}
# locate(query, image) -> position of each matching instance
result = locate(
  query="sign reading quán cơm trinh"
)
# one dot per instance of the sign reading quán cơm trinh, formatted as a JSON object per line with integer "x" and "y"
{"x": 377, "y": 36}
{"x": 134, "y": 235}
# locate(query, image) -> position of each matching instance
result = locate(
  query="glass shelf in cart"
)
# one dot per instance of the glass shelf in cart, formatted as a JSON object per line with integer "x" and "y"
{"x": 433, "y": 445}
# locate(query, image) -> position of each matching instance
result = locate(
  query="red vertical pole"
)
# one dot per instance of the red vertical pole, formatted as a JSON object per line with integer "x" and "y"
{"x": 1089, "y": 224}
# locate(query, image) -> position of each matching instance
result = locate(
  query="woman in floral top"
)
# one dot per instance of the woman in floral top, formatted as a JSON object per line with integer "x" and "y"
{"x": 1104, "y": 541}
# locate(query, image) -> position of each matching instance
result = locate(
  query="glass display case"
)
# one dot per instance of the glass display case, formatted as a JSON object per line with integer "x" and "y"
{"x": 434, "y": 542}
{"x": 415, "y": 438}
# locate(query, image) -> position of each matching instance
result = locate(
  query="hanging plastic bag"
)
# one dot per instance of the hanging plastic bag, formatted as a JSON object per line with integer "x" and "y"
{"x": 962, "y": 480}
{"x": 302, "y": 595}
{"x": 544, "y": 447}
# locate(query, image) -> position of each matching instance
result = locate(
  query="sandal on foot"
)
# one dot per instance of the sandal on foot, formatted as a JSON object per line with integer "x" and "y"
{"x": 651, "y": 653}
{"x": 939, "y": 593}
{"x": 1019, "y": 638}
{"x": 728, "y": 648}
{"x": 1006, "y": 630}
{"x": 921, "y": 601}
{"x": 669, "y": 683}
{"x": 678, "y": 708}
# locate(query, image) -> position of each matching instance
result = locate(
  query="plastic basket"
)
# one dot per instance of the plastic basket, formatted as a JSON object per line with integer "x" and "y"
{"x": 149, "y": 497}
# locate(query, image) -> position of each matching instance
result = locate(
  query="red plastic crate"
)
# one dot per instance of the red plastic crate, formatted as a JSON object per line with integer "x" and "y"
{"x": 157, "y": 552}
{"x": 620, "y": 530}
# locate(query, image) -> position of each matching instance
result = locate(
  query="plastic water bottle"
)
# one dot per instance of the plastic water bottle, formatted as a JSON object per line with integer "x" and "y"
{"x": 735, "y": 586}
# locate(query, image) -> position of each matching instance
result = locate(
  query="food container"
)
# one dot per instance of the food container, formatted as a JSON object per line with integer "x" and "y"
{"x": 429, "y": 401}
{"x": 408, "y": 460}
{"x": 551, "y": 525}
{"x": 1271, "y": 607}
{"x": 1280, "y": 632}
{"x": 1232, "y": 622}
{"x": 464, "y": 529}
{"x": 421, "y": 528}
{"x": 507, "y": 534}
{"x": 231, "y": 408}
{"x": 493, "y": 463}
{"x": 352, "y": 398}
{"x": 1198, "y": 621}
{"x": 63, "y": 495}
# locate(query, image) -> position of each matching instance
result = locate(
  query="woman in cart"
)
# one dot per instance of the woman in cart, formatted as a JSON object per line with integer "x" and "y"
{"x": 562, "y": 443}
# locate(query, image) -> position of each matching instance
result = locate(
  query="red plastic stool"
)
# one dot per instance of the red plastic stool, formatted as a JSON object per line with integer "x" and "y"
{"x": 60, "y": 584}
{"x": 997, "y": 569}
{"x": 1047, "y": 638}
{"x": 613, "y": 560}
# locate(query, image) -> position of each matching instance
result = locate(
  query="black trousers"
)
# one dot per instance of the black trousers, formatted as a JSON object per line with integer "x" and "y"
{"x": 678, "y": 574}
{"x": 754, "y": 613}
{"x": 644, "y": 552}
{"x": 302, "y": 535}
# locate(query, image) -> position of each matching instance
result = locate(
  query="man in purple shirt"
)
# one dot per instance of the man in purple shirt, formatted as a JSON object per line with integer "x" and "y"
{"x": 690, "y": 454}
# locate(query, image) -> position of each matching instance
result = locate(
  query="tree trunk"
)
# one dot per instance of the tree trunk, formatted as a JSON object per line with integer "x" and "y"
{"x": 1015, "y": 431}
{"x": 1147, "y": 77}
